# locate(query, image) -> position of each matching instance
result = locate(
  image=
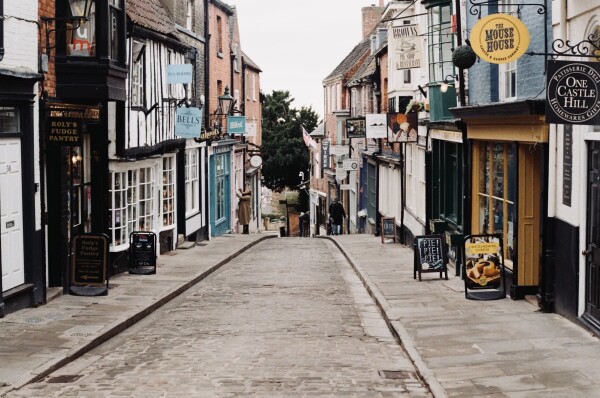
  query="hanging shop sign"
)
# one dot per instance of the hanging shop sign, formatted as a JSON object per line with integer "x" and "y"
{"x": 179, "y": 73}
{"x": 236, "y": 125}
{"x": 484, "y": 267}
{"x": 188, "y": 122}
{"x": 572, "y": 93}
{"x": 376, "y": 125}
{"x": 250, "y": 129}
{"x": 430, "y": 255}
{"x": 499, "y": 38}
{"x": 325, "y": 154}
{"x": 356, "y": 127}
{"x": 405, "y": 45}
{"x": 402, "y": 127}
{"x": 350, "y": 164}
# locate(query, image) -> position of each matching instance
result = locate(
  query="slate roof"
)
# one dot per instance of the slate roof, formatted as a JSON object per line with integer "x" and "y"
{"x": 351, "y": 59}
{"x": 152, "y": 15}
{"x": 319, "y": 131}
{"x": 246, "y": 59}
{"x": 367, "y": 69}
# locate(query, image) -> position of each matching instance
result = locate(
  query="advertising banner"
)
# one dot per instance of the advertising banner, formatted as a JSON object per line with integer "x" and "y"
{"x": 376, "y": 125}
{"x": 405, "y": 47}
{"x": 402, "y": 127}
{"x": 572, "y": 93}
{"x": 188, "y": 122}
{"x": 430, "y": 255}
{"x": 484, "y": 267}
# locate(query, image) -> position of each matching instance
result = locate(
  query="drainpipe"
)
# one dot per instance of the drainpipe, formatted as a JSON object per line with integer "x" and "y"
{"x": 207, "y": 118}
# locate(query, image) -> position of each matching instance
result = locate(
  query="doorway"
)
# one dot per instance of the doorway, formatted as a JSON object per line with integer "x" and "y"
{"x": 11, "y": 213}
{"x": 592, "y": 250}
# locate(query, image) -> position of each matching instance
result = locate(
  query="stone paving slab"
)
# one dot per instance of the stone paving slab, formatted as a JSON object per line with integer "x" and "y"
{"x": 500, "y": 348}
{"x": 36, "y": 341}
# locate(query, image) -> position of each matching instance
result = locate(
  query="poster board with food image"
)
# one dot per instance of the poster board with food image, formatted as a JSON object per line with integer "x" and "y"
{"x": 484, "y": 267}
{"x": 430, "y": 255}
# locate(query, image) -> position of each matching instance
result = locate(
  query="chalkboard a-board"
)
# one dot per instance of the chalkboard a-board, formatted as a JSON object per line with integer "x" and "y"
{"x": 142, "y": 253}
{"x": 388, "y": 228}
{"x": 430, "y": 255}
{"x": 89, "y": 254}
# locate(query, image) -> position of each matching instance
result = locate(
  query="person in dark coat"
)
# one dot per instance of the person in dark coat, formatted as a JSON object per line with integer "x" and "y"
{"x": 337, "y": 214}
{"x": 245, "y": 197}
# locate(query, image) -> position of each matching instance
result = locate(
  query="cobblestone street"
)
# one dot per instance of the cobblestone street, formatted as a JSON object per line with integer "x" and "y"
{"x": 286, "y": 318}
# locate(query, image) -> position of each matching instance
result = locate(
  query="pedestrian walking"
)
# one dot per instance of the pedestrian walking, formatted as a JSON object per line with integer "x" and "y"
{"x": 304, "y": 223}
{"x": 338, "y": 214}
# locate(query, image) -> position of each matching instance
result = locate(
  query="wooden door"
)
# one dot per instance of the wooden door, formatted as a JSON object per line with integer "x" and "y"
{"x": 11, "y": 213}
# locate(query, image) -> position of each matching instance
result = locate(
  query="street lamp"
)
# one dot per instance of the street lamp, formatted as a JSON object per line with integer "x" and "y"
{"x": 444, "y": 86}
{"x": 225, "y": 103}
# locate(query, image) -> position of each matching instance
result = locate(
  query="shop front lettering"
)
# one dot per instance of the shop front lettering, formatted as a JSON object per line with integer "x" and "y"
{"x": 500, "y": 38}
{"x": 185, "y": 119}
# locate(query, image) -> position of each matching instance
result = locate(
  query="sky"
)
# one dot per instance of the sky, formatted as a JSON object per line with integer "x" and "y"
{"x": 297, "y": 44}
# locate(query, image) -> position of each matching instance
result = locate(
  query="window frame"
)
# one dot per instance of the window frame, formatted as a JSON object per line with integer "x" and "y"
{"x": 168, "y": 194}
{"x": 192, "y": 181}
{"x": 138, "y": 87}
{"x": 440, "y": 41}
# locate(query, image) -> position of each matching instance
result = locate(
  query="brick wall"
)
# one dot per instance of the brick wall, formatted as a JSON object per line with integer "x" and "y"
{"x": 484, "y": 76}
{"x": 47, "y": 9}
{"x": 370, "y": 17}
{"x": 220, "y": 63}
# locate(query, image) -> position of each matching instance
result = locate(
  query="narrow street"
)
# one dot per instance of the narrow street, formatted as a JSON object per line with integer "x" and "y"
{"x": 286, "y": 318}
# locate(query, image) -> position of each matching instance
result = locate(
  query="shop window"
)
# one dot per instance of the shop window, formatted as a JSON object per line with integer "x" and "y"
{"x": 192, "y": 182}
{"x": 81, "y": 42}
{"x": 440, "y": 42}
{"x": 118, "y": 208}
{"x": 372, "y": 196}
{"x": 221, "y": 173}
{"x": 146, "y": 199}
{"x": 81, "y": 189}
{"x": 9, "y": 120}
{"x": 168, "y": 191}
{"x": 496, "y": 194}
{"x": 132, "y": 201}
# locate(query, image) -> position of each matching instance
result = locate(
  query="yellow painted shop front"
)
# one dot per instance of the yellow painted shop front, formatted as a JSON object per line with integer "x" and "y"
{"x": 508, "y": 161}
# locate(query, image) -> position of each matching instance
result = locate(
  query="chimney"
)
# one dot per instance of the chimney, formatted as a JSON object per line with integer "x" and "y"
{"x": 370, "y": 17}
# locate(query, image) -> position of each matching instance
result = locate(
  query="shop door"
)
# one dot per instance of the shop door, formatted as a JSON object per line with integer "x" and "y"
{"x": 593, "y": 235}
{"x": 11, "y": 213}
{"x": 220, "y": 200}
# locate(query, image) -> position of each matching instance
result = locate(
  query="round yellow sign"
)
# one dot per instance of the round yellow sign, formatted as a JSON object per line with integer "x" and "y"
{"x": 499, "y": 38}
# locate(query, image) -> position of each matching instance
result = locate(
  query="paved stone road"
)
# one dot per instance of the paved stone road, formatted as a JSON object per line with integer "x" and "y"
{"x": 288, "y": 318}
